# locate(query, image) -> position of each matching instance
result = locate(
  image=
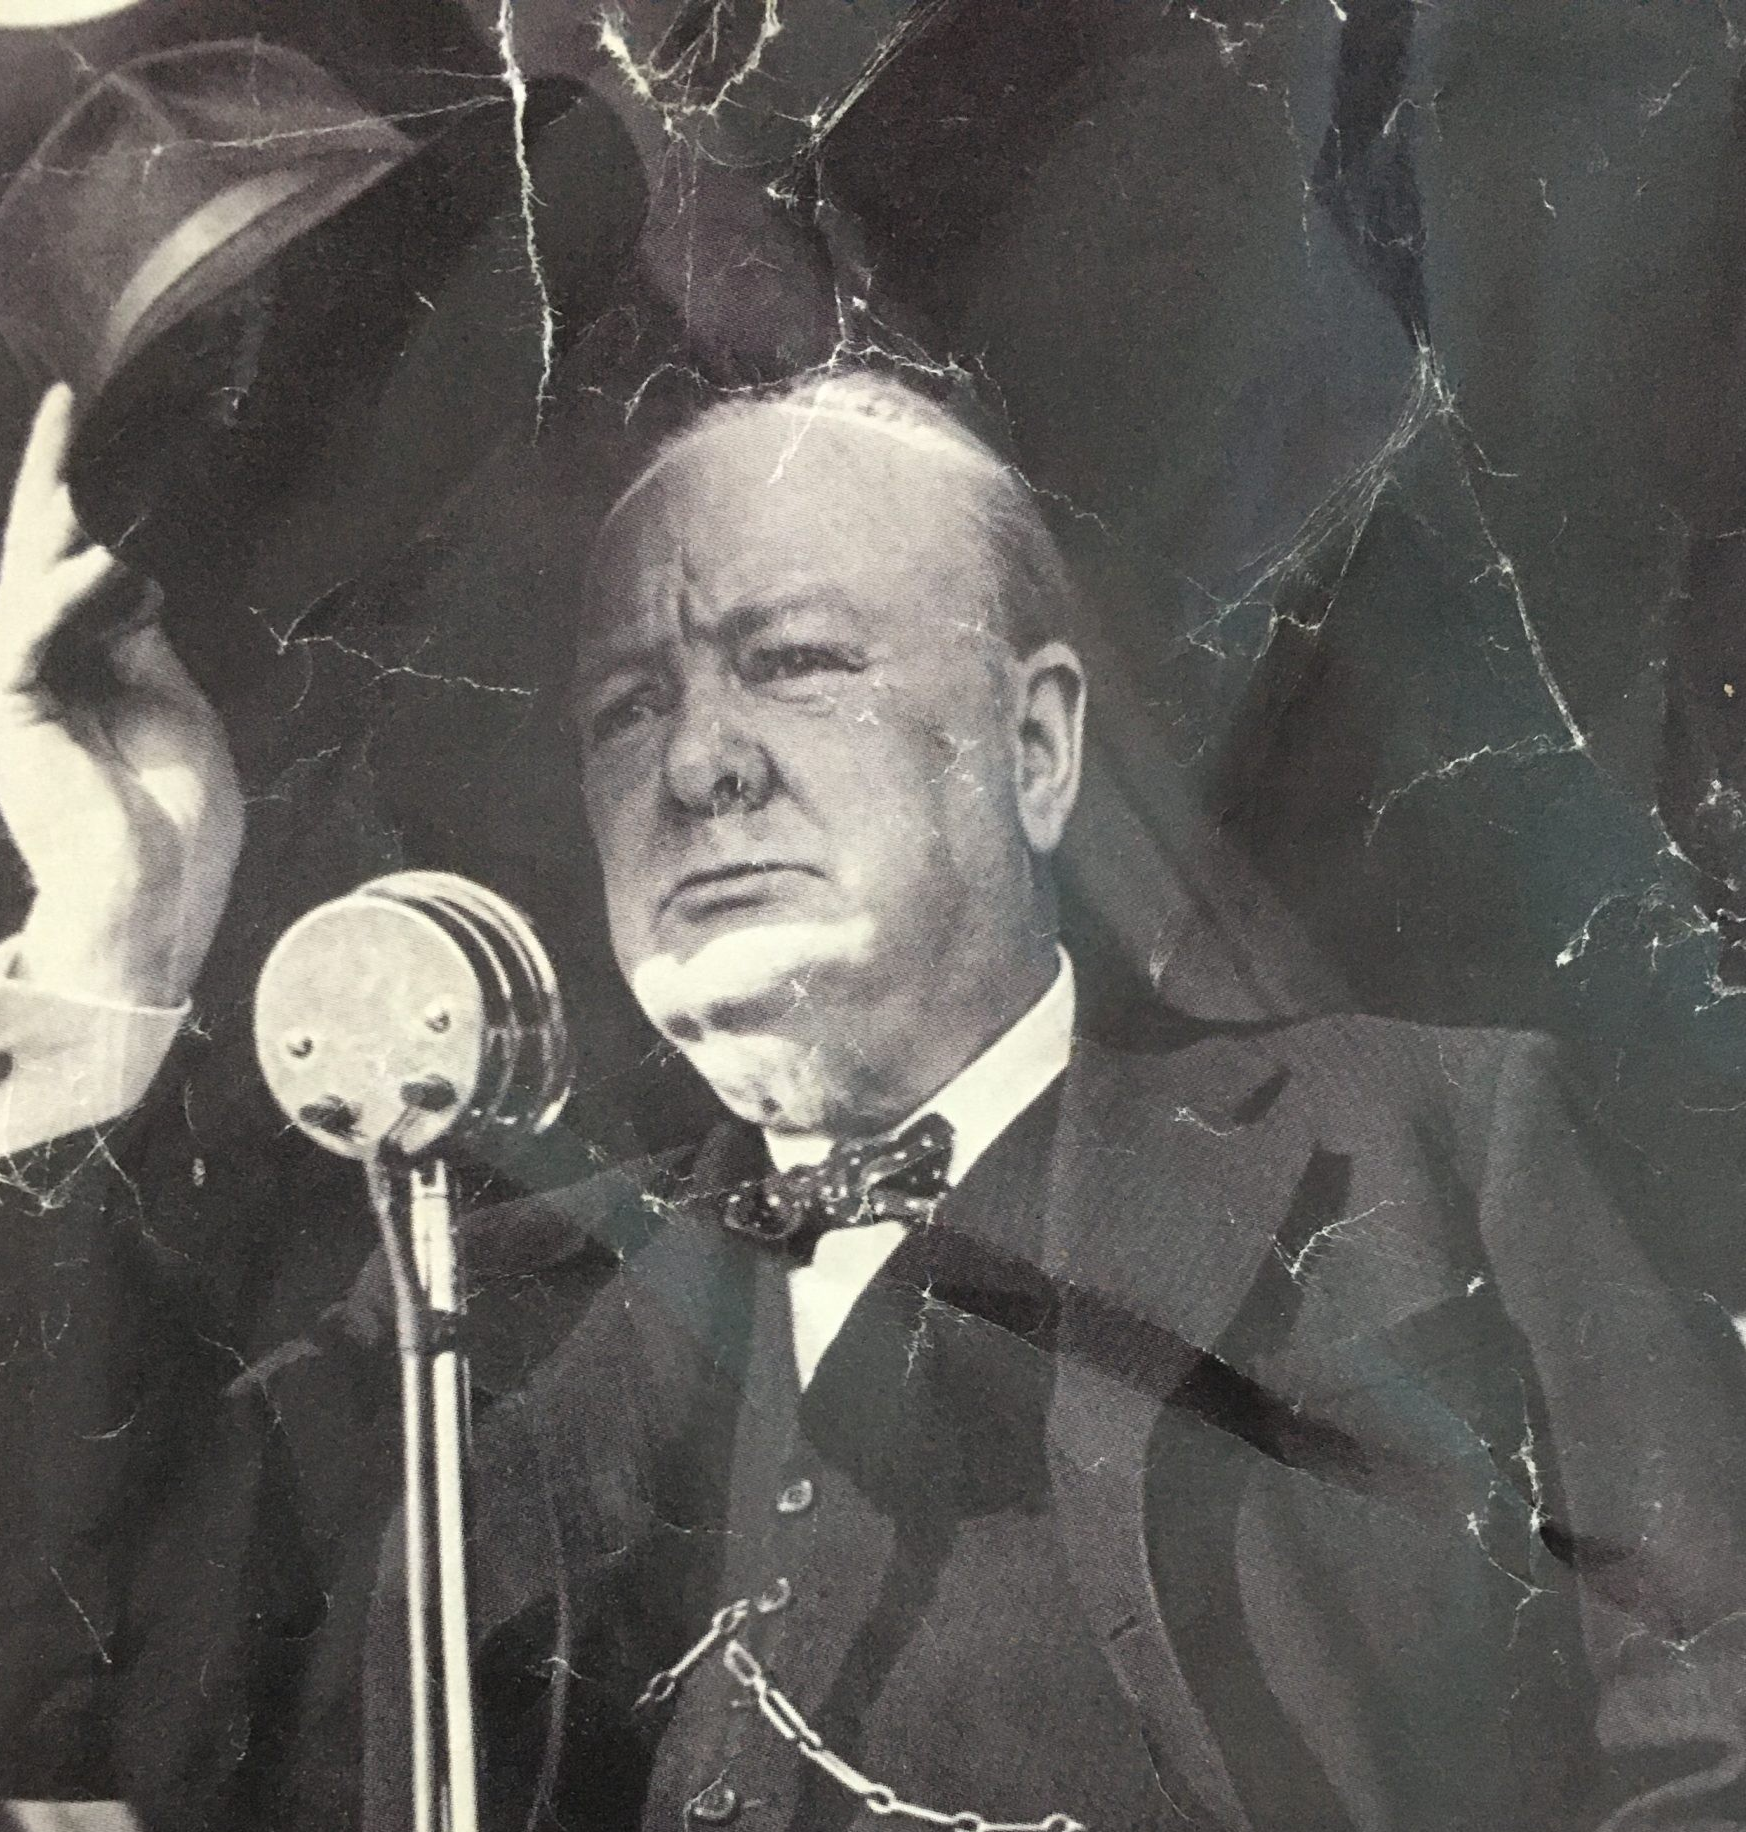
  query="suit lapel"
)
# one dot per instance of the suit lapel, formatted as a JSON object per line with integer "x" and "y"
{"x": 656, "y": 1368}
{"x": 1170, "y": 1180}
{"x": 1172, "y": 1176}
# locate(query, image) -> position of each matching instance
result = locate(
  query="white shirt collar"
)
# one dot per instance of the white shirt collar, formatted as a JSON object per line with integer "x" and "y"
{"x": 985, "y": 1096}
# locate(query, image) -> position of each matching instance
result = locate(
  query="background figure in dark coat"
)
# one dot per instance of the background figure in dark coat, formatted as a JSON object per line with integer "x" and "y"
{"x": 1274, "y": 1430}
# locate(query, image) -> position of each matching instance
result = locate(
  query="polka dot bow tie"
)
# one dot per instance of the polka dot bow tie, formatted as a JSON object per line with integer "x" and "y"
{"x": 896, "y": 1179}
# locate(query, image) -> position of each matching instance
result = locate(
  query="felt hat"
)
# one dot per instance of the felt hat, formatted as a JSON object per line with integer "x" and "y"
{"x": 293, "y": 322}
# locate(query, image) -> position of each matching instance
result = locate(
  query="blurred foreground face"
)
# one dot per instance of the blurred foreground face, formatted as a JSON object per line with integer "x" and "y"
{"x": 802, "y": 760}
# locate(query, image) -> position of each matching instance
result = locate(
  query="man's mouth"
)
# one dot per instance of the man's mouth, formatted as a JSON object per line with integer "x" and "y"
{"x": 726, "y": 885}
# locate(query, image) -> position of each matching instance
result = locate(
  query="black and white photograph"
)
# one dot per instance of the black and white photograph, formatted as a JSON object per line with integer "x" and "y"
{"x": 873, "y": 915}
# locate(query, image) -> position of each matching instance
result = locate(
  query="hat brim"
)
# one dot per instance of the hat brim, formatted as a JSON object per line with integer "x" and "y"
{"x": 294, "y": 406}
{"x": 231, "y": 236}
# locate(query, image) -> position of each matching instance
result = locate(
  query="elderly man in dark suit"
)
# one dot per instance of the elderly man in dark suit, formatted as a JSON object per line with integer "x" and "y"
{"x": 983, "y": 1427}
{"x": 986, "y": 1428}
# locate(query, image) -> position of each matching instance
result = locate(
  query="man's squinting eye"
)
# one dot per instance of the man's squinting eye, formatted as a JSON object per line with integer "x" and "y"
{"x": 798, "y": 661}
{"x": 622, "y": 712}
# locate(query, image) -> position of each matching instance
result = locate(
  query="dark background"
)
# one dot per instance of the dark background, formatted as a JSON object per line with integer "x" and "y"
{"x": 1378, "y": 364}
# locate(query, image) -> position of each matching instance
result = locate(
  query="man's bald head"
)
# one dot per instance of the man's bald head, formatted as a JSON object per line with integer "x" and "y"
{"x": 895, "y": 442}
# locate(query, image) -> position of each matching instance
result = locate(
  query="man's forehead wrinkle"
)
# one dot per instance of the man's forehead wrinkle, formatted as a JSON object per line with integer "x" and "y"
{"x": 658, "y": 578}
{"x": 688, "y": 595}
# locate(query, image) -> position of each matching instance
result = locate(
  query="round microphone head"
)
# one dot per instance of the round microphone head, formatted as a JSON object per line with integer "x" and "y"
{"x": 417, "y": 1009}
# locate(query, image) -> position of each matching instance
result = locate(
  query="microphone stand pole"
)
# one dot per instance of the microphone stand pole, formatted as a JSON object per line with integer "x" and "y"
{"x": 415, "y": 1213}
{"x": 417, "y": 1009}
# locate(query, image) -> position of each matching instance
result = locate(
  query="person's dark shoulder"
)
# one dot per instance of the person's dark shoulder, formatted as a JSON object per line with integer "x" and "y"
{"x": 531, "y": 1265}
{"x": 535, "y": 1264}
{"x": 1341, "y": 1076}
{"x": 1408, "y": 1064}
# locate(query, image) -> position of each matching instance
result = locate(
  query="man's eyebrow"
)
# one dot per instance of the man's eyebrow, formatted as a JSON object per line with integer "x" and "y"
{"x": 620, "y": 650}
{"x": 621, "y": 646}
{"x": 758, "y": 613}
{"x": 619, "y": 653}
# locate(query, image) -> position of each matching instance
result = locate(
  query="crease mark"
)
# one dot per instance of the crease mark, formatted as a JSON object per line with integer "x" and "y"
{"x": 516, "y": 82}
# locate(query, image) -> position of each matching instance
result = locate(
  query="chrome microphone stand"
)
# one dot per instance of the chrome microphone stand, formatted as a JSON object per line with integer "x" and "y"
{"x": 420, "y": 1010}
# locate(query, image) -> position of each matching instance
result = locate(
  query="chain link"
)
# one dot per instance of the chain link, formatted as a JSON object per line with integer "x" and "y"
{"x": 666, "y": 1682}
{"x": 781, "y": 1713}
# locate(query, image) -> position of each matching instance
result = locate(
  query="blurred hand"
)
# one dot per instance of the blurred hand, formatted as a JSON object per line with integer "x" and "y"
{"x": 115, "y": 779}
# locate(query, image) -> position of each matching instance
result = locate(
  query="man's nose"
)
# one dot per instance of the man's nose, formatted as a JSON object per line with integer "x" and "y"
{"x": 715, "y": 759}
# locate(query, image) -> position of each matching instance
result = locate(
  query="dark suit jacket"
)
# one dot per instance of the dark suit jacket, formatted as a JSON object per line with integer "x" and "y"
{"x": 1398, "y": 1491}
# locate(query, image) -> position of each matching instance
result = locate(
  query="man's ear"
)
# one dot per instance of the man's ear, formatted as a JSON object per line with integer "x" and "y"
{"x": 1049, "y": 732}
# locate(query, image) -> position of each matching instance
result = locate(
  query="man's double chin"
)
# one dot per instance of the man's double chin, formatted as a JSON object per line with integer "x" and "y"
{"x": 765, "y": 1076}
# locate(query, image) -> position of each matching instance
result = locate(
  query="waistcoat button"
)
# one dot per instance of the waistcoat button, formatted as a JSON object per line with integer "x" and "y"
{"x": 774, "y": 1597}
{"x": 715, "y": 1806}
{"x": 796, "y": 1498}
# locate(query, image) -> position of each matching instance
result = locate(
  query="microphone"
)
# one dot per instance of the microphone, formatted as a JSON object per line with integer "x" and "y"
{"x": 418, "y": 1009}
{"x": 416, "y": 1012}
